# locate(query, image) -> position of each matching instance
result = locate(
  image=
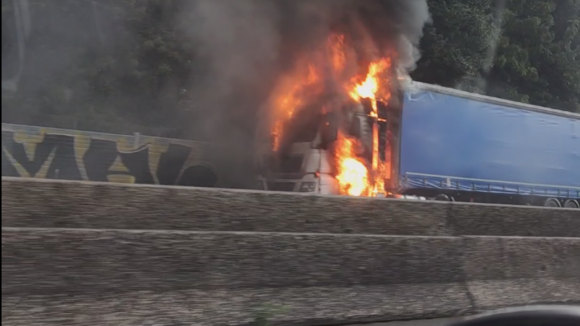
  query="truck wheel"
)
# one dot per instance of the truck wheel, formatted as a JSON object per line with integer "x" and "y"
{"x": 571, "y": 203}
{"x": 552, "y": 202}
{"x": 442, "y": 197}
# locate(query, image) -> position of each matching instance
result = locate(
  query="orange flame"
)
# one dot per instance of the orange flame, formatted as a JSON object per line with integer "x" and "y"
{"x": 355, "y": 176}
{"x": 290, "y": 94}
{"x": 337, "y": 54}
{"x": 367, "y": 182}
{"x": 370, "y": 86}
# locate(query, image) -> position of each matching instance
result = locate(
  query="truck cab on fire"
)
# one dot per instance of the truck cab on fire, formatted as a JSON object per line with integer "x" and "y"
{"x": 300, "y": 164}
{"x": 304, "y": 162}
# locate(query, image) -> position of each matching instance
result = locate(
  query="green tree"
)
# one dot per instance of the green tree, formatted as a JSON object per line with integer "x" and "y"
{"x": 538, "y": 54}
{"x": 454, "y": 46}
{"x": 535, "y": 59}
{"x": 115, "y": 62}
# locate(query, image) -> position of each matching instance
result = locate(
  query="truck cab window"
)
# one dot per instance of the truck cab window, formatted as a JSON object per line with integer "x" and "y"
{"x": 304, "y": 126}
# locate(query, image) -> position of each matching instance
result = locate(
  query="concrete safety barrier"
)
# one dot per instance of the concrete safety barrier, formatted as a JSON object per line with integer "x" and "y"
{"x": 139, "y": 277}
{"x": 76, "y": 253}
{"x": 70, "y": 204}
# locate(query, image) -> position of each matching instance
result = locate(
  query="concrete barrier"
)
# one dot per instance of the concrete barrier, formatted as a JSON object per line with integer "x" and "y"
{"x": 509, "y": 271}
{"x": 76, "y": 253}
{"x": 138, "y": 277}
{"x": 66, "y": 204}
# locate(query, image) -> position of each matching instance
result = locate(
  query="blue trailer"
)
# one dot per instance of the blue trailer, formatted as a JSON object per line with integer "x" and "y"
{"x": 468, "y": 147}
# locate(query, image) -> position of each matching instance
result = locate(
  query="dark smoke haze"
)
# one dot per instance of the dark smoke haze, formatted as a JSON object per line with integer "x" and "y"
{"x": 241, "y": 48}
{"x": 248, "y": 44}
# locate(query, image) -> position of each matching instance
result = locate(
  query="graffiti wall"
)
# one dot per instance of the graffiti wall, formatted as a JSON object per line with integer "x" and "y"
{"x": 38, "y": 152}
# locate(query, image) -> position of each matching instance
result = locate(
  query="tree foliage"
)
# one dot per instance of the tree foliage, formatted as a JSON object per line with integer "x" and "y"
{"x": 535, "y": 57}
{"x": 538, "y": 57}
{"x": 99, "y": 62}
{"x": 454, "y": 46}
{"x": 110, "y": 63}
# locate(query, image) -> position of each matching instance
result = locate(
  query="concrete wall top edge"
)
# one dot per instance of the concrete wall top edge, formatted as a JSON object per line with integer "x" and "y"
{"x": 77, "y": 204}
{"x": 291, "y": 195}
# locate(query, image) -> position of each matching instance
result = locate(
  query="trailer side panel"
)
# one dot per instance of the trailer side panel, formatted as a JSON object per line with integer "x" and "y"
{"x": 451, "y": 142}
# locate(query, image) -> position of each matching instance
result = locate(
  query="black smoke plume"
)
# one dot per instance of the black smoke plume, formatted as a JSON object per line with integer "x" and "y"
{"x": 239, "y": 50}
{"x": 247, "y": 44}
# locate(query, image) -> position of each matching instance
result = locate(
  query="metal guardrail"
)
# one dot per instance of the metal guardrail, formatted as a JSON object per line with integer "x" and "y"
{"x": 485, "y": 185}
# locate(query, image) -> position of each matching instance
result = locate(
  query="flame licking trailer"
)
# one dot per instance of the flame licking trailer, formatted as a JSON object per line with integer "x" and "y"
{"x": 439, "y": 143}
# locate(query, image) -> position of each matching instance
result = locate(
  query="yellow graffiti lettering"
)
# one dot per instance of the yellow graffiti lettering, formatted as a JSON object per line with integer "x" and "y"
{"x": 82, "y": 142}
{"x": 156, "y": 149}
{"x": 124, "y": 144}
{"x": 46, "y": 165}
{"x": 30, "y": 138}
{"x": 118, "y": 166}
{"x": 121, "y": 178}
{"x": 29, "y": 142}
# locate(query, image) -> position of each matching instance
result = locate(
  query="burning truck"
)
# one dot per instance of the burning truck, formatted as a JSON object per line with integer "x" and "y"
{"x": 329, "y": 127}
{"x": 332, "y": 128}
